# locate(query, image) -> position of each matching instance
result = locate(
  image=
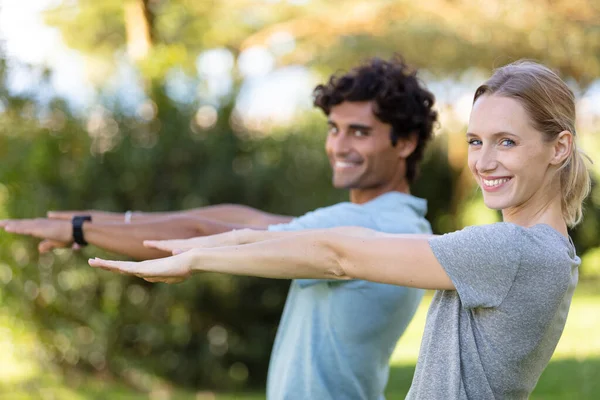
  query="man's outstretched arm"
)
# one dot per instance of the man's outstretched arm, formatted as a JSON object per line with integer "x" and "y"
{"x": 121, "y": 238}
{"x": 228, "y": 213}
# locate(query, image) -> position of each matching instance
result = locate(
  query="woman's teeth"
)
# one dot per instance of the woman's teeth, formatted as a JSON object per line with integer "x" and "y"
{"x": 495, "y": 182}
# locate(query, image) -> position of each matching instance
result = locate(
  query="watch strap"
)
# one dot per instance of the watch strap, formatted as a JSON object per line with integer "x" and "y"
{"x": 77, "y": 223}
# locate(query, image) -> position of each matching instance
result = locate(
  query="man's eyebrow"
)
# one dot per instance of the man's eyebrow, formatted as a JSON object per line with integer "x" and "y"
{"x": 361, "y": 127}
{"x": 352, "y": 125}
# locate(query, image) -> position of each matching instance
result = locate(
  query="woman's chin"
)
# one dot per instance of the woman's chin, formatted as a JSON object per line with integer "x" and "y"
{"x": 495, "y": 204}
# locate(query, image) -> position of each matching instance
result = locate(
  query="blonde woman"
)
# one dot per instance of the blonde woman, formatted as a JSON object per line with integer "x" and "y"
{"x": 503, "y": 290}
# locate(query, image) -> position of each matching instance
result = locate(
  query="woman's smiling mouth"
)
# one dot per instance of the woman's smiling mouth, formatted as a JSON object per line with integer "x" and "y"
{"x": 492, "y": 184}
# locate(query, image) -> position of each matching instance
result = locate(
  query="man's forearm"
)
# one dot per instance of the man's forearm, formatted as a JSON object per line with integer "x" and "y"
{"x": 127, "y": 239}
{"x": 229, "y": 213}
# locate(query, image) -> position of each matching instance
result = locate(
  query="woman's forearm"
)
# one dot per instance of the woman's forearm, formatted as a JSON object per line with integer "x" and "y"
{"x": 247, "y": 236}
{"x": 291, "y": 255}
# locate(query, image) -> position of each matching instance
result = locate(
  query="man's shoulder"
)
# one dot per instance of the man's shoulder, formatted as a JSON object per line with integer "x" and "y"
{"x": 340, "y": 214}
{"x": 390, "y": 212}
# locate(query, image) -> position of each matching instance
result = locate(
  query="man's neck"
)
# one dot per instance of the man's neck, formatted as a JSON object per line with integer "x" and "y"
{"x": 361, "y": 196}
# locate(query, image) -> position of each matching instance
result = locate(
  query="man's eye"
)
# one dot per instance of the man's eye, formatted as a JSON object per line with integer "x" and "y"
{"x": 360, "y": 133}
{"x": 332, "y": 130}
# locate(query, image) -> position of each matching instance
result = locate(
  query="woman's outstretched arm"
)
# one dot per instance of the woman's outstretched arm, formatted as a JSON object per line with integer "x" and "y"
{"x": 360, "y": 253}
{"x": 247, "y": 236}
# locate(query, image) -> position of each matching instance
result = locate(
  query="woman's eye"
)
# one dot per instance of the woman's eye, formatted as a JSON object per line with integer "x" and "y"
{"x": 474, "y": 142}
{"x": 507, "y": 142}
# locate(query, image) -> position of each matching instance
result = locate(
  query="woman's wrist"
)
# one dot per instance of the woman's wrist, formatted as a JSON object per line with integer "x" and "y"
{"x": 243, "y": 236}
{"x": 193, "y": 260}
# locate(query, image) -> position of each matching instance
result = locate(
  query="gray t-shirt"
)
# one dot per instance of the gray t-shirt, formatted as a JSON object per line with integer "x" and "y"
{"x": 492, "y": 337}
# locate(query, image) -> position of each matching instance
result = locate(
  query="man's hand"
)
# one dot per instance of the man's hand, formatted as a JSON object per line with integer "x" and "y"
{"x": 172, "y": 269}
{"x": 48, "y": 245}
{"x": 58, "y": 232}
{"x": 178, "y": 246}
{"x": 97, "y": 216}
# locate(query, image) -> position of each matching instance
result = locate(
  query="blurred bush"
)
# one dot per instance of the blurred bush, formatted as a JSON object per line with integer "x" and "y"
{"x": 213, "y": 331}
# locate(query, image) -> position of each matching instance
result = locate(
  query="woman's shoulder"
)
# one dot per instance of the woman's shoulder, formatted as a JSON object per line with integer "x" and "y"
{"x": 539, "y": 232}
{"x": 541, "y": 240}
{"x": 499, "y": 231}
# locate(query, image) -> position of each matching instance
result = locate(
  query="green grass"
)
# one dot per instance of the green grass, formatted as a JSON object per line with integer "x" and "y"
{"x": 572, "y": 373}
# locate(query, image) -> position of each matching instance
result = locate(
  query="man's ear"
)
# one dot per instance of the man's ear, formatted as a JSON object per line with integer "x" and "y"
{"x": 405, "y": 146}
{"x": 563, "y": 145}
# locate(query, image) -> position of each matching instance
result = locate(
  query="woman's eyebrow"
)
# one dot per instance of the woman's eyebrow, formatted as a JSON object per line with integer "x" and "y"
{"x": 501, "y": 133}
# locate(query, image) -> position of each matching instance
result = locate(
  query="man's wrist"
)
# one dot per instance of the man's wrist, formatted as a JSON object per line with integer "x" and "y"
{"x": 129, "y": 215}
{"x": 77, "y": 226}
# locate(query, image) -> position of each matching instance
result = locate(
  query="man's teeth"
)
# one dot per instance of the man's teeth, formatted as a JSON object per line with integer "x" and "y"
{"x": 495, "y": 182}
{"x": 343, "y": 164}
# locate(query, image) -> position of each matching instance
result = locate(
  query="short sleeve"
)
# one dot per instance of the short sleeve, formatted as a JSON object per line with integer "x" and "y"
{"x": 481, "y": 261}
{"x": 342, "y": 214}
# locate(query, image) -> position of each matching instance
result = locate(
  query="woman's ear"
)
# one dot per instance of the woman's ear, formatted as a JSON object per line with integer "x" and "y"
{"x": 563, "y": 145}
{"x": 407, "y": 145}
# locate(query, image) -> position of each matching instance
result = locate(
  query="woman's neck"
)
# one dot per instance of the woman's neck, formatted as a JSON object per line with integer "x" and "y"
{"x": 547, "y": 212}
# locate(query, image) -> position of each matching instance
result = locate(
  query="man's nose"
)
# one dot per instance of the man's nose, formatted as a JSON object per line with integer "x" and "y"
{"x": 340, "y": 144}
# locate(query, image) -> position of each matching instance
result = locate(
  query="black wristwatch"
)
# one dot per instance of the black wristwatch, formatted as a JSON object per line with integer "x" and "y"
{"x": 77, "y": 223}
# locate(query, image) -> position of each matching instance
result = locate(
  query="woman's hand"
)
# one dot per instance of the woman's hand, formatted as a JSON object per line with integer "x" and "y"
{"x": 177, "y": 246}
{"x": 172, "y": 269}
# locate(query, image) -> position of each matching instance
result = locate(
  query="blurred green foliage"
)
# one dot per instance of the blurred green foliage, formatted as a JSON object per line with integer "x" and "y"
{"x": 212, "y": 331}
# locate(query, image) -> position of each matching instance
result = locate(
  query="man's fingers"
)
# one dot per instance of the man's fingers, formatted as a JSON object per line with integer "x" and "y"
{"x": 153, "y": 244}
{"x": 47, "y": 245}
{"x": 14, "y": 227}
{"x": 22, "y": 227}
{"x": 61, "y": 214}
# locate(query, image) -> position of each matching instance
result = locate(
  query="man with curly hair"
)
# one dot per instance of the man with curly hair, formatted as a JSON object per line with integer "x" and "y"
{"x": 335, "y": 338}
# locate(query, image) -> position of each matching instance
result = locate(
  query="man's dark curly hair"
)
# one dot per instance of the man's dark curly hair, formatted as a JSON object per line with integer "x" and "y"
{"x": 399, "y": 100}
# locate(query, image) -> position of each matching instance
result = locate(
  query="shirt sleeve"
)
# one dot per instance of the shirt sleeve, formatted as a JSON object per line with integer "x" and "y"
{"x": 481, "y": 261}
{"x": 341, "y": 214}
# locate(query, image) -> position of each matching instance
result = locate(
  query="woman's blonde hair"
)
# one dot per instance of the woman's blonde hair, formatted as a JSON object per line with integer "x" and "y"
{"x": 551, "y": 106}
